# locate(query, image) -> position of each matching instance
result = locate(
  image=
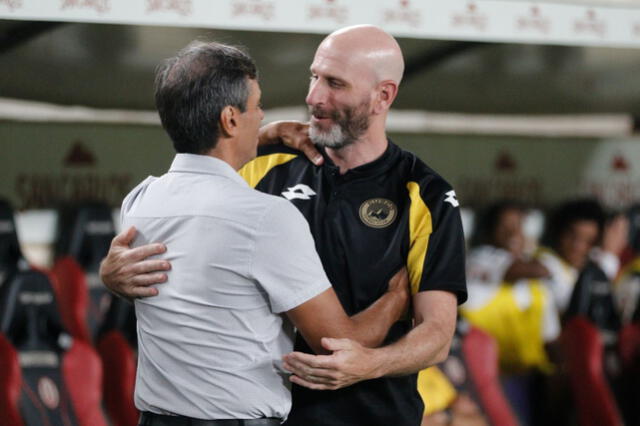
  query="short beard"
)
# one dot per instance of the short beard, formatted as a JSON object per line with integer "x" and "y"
{"x": 349, "y": 125}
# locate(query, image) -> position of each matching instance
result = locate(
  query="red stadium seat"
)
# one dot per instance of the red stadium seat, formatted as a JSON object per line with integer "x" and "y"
{"x": 117, "y": 346}
{"x": 629, "y": 345}
{"x": 584, "y": 351}
{"x": 472, "y": 371}
{"x": 73, "y": 294}
{"x": 10, "y": 383}
{"x": 481, "y": 355}
{"x": 83, "y": 238}
{"x": 57, "y": 379}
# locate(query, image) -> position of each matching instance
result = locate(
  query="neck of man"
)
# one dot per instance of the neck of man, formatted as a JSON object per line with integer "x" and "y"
{"x": 369, "y": 147}
{"x": 225, "y": 151}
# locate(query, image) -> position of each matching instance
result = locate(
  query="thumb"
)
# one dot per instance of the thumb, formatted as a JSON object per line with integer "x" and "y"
{"x": 125, "y": 237}
{"x": 311, "y": 152}
{"x": 332, "y": 344}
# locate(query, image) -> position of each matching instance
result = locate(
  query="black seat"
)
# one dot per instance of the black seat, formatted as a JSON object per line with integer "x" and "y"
{"x": 592, "y": 298}
{"x": 84, "y": 234}
{"x": 10, "y": 254}
{"x": 58, "y": 378}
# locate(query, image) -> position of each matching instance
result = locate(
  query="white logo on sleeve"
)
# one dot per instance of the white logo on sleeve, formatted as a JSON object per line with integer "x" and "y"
{"x": 451, "y": 198}
{"x": 300, "y": 192}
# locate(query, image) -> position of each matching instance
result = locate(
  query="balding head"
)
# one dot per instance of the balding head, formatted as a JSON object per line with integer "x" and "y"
{"x": 370, "y": 47}
{"x": 354, "y": 80}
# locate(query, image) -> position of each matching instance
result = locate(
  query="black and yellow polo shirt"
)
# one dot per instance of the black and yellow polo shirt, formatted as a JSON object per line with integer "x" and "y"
{"x": 367, "y": 224}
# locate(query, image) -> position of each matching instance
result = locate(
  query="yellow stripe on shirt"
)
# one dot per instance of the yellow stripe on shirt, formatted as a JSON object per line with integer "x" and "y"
{"x": 256, "y": 169}
{"x": 420, "y": 228}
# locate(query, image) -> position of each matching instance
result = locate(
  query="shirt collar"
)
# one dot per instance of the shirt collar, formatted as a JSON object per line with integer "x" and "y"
{"x": 380, "y": 165}
{"x": 205, "y": 164}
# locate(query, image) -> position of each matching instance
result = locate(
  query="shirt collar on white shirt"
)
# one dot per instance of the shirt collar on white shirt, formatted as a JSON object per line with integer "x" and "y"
{"x": 193, "y": 163}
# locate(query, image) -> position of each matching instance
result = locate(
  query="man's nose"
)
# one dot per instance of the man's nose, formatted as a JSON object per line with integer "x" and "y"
{"x": 316, "y": 95}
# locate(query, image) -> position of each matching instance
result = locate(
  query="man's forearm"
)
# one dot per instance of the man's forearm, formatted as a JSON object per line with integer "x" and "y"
{"x": 425, "y": 345}
{"x": 371, "y": 326}
{"x": 428, "y": 343}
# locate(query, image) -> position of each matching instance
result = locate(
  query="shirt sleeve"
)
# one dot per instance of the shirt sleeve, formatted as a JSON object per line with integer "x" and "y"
{"x": 285, "y": 262}
{"x": 437, "y": 247}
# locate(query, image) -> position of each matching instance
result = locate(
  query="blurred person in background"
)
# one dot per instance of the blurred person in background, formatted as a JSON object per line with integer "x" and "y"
{"x": 507, "y": 298}
{"x": 578, "y": 231}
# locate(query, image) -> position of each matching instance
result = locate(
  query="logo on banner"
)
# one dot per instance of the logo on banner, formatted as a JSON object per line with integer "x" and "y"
{"x": 48, "y": 392}
{"x": 262, "y": 9}
{"x": 619, "y": 164}
{"x": 330, "y": 10}
{"x": 534, "y": 21}
{"x": 12, "y": 4}
{"x": 504, "y": 180}
{"x": 99, "y": 6}
{"x": 470, "y": 18}
{"x": 182, "y": 7}
{"x": 404, "y": 14}
{"x": 505, "y": 162}
{"x": 75, "y": 180}
{"x": 590, "y": 25}
{"x": 79, "y": 155}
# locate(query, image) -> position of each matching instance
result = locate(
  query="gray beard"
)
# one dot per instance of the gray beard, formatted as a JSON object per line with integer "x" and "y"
{"x": 333, "y": 138}
{"x": 344, "y": 131}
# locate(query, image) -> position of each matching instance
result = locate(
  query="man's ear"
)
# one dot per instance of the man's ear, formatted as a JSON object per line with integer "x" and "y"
{"x": 229, "y": 121}
{"x": 387, "y": 92}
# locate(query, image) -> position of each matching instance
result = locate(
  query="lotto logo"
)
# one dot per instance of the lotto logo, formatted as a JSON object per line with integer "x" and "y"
{"x": 451, "y": 198}
{"x": 298, "y": 192}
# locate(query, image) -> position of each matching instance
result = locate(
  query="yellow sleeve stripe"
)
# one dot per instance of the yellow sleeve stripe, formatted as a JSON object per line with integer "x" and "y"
{"x": 256, "y": 169}
{"x": 436, "y": 390}
{"x": 419, "y": 230}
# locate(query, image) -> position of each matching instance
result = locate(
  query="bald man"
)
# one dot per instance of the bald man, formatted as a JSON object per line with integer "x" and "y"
{"x": 372, "y": 208}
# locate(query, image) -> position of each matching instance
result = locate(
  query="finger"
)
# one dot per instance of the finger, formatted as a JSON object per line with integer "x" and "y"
{"x": 142, "y": 252}
{"x": 145, "y": 280}
{"x": 299, "y": 381}
{"x": 125, "y": 237}
{"x": 315, "y": 361}
{"x": 311, "y": 152}
{"x": 304, "y": 370}
{"x": 332, "y": 344}
{"x": 142, "y": 292}
{"x": 146, "y": 266}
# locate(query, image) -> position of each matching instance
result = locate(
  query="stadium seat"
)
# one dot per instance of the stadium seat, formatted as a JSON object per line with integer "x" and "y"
{"x": 84, "y": 235}
{"x": 471, "y": 369}
{"x": 10, "y": 253}
{"x": 117, "y": 346}
{"x": 593, "y": 299}
{"x": 629, "y": 345}
{"x": 584, "y": 350}
{"x": 10, "y": 383}
{"x": 481, "y": 356}
{"x": 49, "y": 377}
